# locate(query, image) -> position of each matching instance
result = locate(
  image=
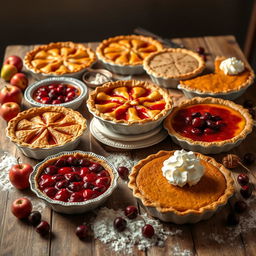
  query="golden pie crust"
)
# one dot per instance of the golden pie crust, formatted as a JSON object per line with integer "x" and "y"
{"x": 209, "y": 100}
{"x": 153, "y": 189}
{"x": 173, "y": 63}
{"x": 129, "y": 50}
{"x": 46, "y": 127}
{"x": 157, "y": 95}
{"x": 59, "y": 58}
{"x": 219, "y": 82}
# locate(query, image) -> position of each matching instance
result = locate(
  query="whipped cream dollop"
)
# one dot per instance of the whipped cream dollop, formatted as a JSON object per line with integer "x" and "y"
{"x": 232, "y": 66}
{"x": 183, "y": 168}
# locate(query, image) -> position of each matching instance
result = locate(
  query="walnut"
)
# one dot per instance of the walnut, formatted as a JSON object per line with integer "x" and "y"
{"x": 231, "y": 161}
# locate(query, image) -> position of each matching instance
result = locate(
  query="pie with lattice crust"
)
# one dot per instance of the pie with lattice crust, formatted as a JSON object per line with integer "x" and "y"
{"x": 46, "y": 127}
{"x": 129, "y": 102}
{"x": 59, "y": 58}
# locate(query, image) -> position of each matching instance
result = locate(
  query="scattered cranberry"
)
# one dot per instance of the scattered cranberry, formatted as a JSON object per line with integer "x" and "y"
{"x": 200, "y": 50}
{"x": 232, "y": 219}
{"x": 148, "y": 231}
{"x": 131, "y": 212}
{"x": 248, "y": 104}
{"x": 196, "y": 131}
{"x": 246, "y": 191}
{"x": 197, "y": 122}
{"x": 34, "y": 218}
{"x": 240, "y": 206}
{"x": 195, "y": 114}
{"x": 82, "y": 231}
{"x": 120, "y": 224}
{"x": 123, "y": 172}
{"x": 242, "y": 179}
{"x": 43, "y": 228}
{"x": 249, "y": 158}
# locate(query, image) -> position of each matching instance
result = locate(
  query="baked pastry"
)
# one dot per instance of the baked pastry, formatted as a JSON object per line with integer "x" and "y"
{"x": 46, "y": 127}
{"x": 59, "y": 58}
{"x": 124, "y": 54}
{"x": 209, "y": 125}
{"x": 181, "y": 203}
{"x": 220, "y": 81}
{"x": 168, "y": 66}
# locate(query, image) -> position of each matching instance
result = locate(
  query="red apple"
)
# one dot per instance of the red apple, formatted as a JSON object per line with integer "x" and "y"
{"x": 21, "y": 208}
{"x": 20, "y": 80}
{"x": 10, "y": 93}
{"x": 8, "y": 71}
{"x": 19, "y": 175}
{"x": 9, "y": 110}
{"x": 16, "y": 61}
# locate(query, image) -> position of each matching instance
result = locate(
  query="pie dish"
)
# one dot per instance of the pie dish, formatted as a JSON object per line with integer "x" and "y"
{"x": 208, "y": 125}
{"x": 167, "y": 67}
{"x": 60, "y": 58}
{"x": 74, "y": 182}
{"x": 130, "y": 107}
{"x": 125, "y": 54}
{"x": 218, "y": 84}
{"x": 79, "y": 87}
{"x": 39, "y": 132}
{"x": 188, "y": 204}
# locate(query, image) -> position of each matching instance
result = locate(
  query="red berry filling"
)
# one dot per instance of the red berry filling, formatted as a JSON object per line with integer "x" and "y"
{"x": 73, "y": 179}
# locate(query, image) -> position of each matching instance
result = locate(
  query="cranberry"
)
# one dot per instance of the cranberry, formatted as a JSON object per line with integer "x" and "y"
{"x": 76, "y": 169}
{"x": 200, "y": 50}
{"x": 102, "y": 181}
{"x": 210, "y": 124}
{"x": 197, "y": 122}
{"x": 52, "y": 86}
{"x": 73, "y": 176}
{"x": 148, "y": 231}
{"x": 34, "y": 218}
{"x": 76, "y": 197}
{"x": 100, "y": 188}
{"x": 103, "y": 173}
{"x": 89, "y": 194}
{"x": 131, "y": 212}
{"x": 43, "y": 89}
{"x": 83, "y": 162}
{"x": 61, "y": 98}
{"x": 71, "y": 160}
{"x": 43, "y": 228}
{"x": 71, "y": 95}
{"x": 46, "y": 100}
{"x": 60, "y": 90}
{"x": 51, "y": 170}
{"x": 84, "y": 171}
{"x": 51, "y": 191}
{"x": 246, "y": 191}
{"x": 70, "y": 89}
{"x": 195, "y": 114}
{"x": 209, "y": 131}
{"x": 42, "y": 94}
{"x": 65, "y": 170}
{"x": 76, "y": 186}
{"x": 249, "y": 158}
{"x": 240, "y": 206}
{"x": 220, "y": 123}
{"x": 242, "y": 179}
{"x": 119, "y": 224}
{"x": 216, "y": 118}
{"x": 88, "y": 185}
{"x": 123, "y": 172}
{"x": 196, "y": 131}
{"x": 82, "y": 231}
{"x": 62, "y": 195}
{"x": 58, "y": 177}
{"x": 232, "y": 219}
{"x": 188, "y": 120}
{"x": 248, "y": 104}
{"x": 90, "y": 177}
{"x": 95, "y": 167}
{"x": 56, "y": 102}
{"x": 60, "y": 162}
{"x": 48, "y": 182}
{"x": 207, "y": 116}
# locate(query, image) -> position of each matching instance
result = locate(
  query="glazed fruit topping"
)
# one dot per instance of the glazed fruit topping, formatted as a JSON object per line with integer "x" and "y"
{"x": 131, "y": 212}
{"x": 148, "y": 231}
{"x": 120, "y": 224}
{"x": 72, "y": 179}
{"x": 56, "y": 93}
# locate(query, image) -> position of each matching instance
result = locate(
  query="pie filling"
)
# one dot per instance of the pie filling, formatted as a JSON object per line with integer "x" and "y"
{"x": 208, "y": 122}
{"x": 130, "y": 103}
{"x": 73, "y": 179}
{"x": 165, "y": 195}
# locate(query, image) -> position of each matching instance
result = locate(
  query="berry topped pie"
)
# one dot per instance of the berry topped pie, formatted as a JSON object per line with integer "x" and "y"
{"x": 59, "y": 58}
{"x": 208, "y": 124}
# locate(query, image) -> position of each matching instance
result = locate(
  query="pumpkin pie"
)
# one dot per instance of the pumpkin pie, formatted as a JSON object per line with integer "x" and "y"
{"x": 59, "y": 58}
{"x": 219, "y": 82}
{"x": 180, "y": 204}
{"x": 208, "y": 125}
{"x": 168, "y": 66}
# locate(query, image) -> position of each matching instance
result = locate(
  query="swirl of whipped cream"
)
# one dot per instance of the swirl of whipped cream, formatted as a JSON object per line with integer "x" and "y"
{"x": 232, "y": 66}
{"x": 183, "y": 168}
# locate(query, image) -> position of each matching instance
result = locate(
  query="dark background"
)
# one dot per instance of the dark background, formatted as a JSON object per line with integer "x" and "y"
{"x": 42, "y": 21}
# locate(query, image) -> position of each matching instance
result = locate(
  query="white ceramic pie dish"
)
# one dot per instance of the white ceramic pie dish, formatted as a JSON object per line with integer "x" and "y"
{"x": 77, "y": 207}
{"x": 74, "y": 104}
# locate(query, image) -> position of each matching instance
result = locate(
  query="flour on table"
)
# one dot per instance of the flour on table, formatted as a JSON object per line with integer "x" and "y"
{"x": 132, "y": 236}
{"x": 121, "y": 159}
{"x": 177, "y": 251}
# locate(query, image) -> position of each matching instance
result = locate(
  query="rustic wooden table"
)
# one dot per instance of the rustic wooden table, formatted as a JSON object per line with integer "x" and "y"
{"x": 209, "y": 237}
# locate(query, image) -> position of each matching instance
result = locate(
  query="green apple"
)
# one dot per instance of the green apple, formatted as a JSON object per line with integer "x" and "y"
{"x": 8, "y": 71}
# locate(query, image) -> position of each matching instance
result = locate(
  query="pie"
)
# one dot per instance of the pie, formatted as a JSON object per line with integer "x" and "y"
{"x": 208, "y": 122}
{"x": 59, "y": 58}
{"x": 171, "y": 65}
{"x": 129, "y": 102}
{"x": 46, "y": 127}
{"x": 219, "y": 82}
{"x": 180, "y": 204}
{"x": 75, "y": 177}
{"x": 127, "y": 50}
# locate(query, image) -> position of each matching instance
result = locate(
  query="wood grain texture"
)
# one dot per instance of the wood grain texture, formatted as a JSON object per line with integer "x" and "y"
{"x": 18, "y": 238}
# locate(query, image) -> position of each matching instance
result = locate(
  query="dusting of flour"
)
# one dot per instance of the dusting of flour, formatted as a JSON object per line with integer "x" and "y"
{"x": 121, "y": 159}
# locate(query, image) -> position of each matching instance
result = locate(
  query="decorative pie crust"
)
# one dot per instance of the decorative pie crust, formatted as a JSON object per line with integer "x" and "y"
{"x": 59, "y": 58}
{"x": 213, "y": 206}
{"x": 34, "y": 127}
{"x": 172, "y": 62}
{"x": 165, "y": 97}
{"x": 209, "y": 100}
{"x": 129, "y": 50}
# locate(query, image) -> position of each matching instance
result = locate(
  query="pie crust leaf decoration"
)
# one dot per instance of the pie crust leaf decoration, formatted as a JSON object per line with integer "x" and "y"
{"x": 128, "y": 50}
{"x": 46, "y": 127}
{"x": 130, "y": 102}
{"x": 59, "y": 58}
